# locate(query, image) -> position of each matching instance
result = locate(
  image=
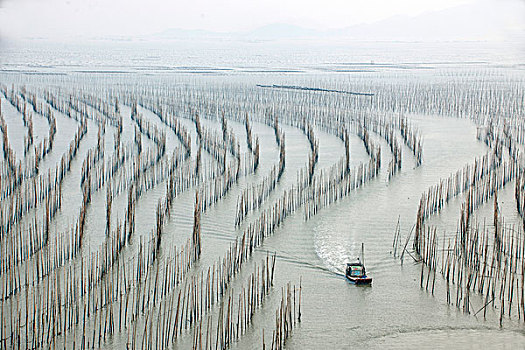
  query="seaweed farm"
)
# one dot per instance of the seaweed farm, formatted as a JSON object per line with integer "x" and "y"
{"x": 203, "y": 207}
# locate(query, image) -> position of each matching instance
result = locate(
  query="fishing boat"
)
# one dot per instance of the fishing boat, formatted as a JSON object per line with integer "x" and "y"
{"x": 356, "y": 272}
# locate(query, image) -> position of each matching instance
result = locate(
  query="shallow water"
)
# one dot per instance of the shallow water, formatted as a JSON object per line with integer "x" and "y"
{"x": 394, "y": 312}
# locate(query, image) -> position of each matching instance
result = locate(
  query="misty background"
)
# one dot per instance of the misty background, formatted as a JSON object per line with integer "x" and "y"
{"x": 246, "y": 36}
{"x": 136, "y": 20}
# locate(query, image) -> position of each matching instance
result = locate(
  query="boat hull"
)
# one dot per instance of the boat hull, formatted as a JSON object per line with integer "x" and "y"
{"x": 360, "y": 280}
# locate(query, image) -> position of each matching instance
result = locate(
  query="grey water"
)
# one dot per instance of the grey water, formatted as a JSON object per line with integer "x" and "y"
{"x": 392, "y": 313}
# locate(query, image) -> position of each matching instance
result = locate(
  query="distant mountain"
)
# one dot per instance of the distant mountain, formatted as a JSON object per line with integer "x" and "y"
{"x": 274, "y": 31}
{"x": 176, "y": 33}
{"x": 279, "y": 31}
{"x": 465, "y": 22}
{"x": 461, "y": 23}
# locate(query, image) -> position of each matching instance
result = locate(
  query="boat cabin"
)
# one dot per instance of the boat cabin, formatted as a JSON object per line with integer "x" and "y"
{"x": 355, "y": 270}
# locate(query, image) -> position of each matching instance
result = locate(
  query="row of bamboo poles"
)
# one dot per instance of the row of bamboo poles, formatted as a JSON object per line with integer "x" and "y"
{"x": 39, "y": 191}
{"x": 464, "y": 96}
{"x": 437, "y": 196}
{"x": 198, "y": 127}
{"x": 412, "y": 138}
{"x": 287, "y": 315}
{"x": 86, "y": 200}
{"x": 493, "y": 165}
{"x": 173, "y": 173}
{"x": 37, "y": 152}
{"x": 313, "y": 157}
{"x": 482, "y": 266}
{"x": 236, "y": 311}
{"x": 47, "y": 218}
{"x": 102, "y": 172}
{"x": 339, "y": 180}
{"x": 252, "y": 197}
{"x": 254, "y": 149}
{"x": 280, "y": 140}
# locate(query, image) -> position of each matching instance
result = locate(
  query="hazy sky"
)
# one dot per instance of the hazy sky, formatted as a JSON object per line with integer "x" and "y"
{"x": 88, "y": 18}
